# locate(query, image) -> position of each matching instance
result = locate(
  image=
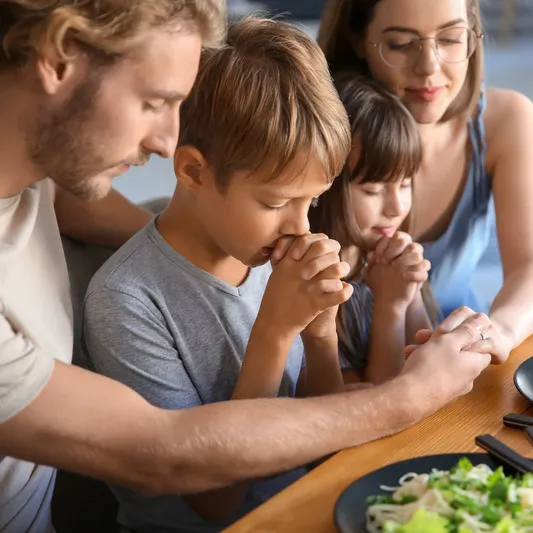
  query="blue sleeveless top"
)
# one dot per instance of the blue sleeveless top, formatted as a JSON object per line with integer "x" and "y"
{"x": 456, "y": 255}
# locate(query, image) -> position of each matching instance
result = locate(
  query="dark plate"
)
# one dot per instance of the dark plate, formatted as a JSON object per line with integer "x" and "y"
{"x": 350, "y": 509}
{"x": 523, "y": 379}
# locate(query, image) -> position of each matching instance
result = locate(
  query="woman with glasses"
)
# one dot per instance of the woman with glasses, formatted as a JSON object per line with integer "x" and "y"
{"x": 477, "y": 166}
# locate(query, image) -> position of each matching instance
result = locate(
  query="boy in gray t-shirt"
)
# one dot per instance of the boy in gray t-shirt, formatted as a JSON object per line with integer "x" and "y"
{"x": 190, "y": 311}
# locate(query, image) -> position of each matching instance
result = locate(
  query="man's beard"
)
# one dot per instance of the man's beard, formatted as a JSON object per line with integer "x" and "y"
{"x": 67, "y": 144}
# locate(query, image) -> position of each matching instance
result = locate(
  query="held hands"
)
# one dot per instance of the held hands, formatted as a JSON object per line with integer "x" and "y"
{"x": 495, "y": 341}
{"x": 397, "y": 269}
{"x": 445, "y": 366}
{"x": 305, "y": 283}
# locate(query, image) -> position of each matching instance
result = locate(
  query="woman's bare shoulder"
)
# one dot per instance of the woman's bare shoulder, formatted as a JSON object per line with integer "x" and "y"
{"x": 507, "y": 113}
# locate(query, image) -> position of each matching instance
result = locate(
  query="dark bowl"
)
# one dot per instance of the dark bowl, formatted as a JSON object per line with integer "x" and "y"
{"x": 523, "y": 379}
{"x": 350, "y": 510}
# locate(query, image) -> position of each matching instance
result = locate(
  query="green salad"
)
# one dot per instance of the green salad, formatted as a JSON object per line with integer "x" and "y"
{"x": 465, "y": 499}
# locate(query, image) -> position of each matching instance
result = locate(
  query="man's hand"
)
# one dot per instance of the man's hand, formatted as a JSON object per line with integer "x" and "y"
{"x": 447, "y": 365}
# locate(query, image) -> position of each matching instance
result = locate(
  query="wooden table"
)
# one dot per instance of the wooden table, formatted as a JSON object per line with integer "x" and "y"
{"x": 307, "y": 506}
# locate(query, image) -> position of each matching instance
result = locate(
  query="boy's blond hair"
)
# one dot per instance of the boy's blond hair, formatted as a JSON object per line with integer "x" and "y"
{"x": 265, "y": 100}
{"x": 110, "y": 27}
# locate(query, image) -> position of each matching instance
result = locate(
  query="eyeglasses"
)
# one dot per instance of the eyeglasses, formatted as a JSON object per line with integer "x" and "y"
{"x": 452, "y": 45}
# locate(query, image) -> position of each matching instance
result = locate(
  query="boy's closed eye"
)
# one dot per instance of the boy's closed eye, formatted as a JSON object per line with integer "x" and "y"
{"x": 275, "y": 207}
{"x": 314, "y": 203}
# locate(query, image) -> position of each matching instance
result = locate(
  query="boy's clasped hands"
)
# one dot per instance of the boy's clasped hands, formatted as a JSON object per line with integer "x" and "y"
{"x": 306, "y": 286}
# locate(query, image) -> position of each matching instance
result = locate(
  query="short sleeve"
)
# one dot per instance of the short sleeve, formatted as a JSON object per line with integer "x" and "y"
{"x": 354, "y": 344}
{"x": 127, "y": 340}
{"x": 24, "y": 371}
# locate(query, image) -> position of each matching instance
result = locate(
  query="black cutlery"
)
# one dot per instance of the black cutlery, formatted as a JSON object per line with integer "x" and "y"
{"x": 503, "y": 453}
{"x": 515, "y": 420}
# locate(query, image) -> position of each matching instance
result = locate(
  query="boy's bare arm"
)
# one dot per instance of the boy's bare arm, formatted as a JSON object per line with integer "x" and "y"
{"x": 322, "y": 373}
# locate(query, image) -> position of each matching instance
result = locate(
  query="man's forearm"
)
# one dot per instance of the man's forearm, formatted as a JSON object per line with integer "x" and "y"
{"x": 86, "y": 423}
{"x": 269, "y": 436}
{"x": 109, "y": 222}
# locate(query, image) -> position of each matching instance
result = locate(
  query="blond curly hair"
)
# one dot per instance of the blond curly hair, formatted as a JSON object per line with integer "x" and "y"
{"x": 110, "y": 27}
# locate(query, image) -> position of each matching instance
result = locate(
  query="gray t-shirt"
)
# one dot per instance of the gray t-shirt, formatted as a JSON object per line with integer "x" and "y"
{"x": 177, "y": 335}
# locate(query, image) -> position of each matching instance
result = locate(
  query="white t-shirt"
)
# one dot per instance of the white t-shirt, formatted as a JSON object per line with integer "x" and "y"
{"x": 35, "y": 300}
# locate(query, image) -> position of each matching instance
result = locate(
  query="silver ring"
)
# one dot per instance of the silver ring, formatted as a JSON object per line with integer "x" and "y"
{"x": 482, "y": 336}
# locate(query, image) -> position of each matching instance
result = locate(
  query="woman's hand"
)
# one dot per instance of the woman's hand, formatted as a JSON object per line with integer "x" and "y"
{"x": 495, "y": 341}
